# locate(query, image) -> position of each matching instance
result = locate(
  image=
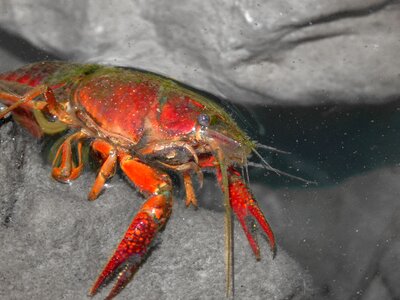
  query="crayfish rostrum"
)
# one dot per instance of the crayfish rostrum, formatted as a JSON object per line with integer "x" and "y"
{"x": 146, "y": 124}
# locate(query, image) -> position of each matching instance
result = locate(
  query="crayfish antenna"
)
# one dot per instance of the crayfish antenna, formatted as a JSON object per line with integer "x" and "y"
{"x": 223, "y": 178}
{"x": 273, "y": 149}
{"x": 267, "y": 166}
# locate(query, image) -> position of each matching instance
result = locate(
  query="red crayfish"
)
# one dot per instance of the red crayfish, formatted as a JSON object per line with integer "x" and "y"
{"x": 148, "y": 125}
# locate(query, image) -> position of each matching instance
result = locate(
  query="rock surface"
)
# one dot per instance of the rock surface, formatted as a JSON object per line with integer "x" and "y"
{"x": 347, "y": 235}
{"x": 247, "y": 51}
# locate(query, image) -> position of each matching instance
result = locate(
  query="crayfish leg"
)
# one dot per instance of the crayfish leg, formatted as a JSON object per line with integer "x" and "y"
{"x": 190, "y": 194}
{"x": 151, "y": 217}
{"x": 22, "y": 112}
{"x": 107, "y": 170}
{"x": 25, "y": 100}
{"x": 64, "y": 167}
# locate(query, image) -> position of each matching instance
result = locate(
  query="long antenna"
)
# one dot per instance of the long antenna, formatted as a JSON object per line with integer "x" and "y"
{"x": 261, "y": 146}
{"x": 228, "y": 227}
{"x": 267, "y": 166}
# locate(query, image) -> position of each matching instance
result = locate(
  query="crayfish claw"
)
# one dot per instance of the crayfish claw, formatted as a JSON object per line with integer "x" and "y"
{"x": 123, "y": 278}
{"x": 135, "y": 244}
{"x": 259, "y": 216}
{"x": 246, "y": 208}
{"x": 248, "y": 232}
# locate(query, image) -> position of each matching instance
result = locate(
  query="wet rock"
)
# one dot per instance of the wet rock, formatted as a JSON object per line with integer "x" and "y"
{"x": 247, "y": 51}
{"x": 345, "y": 235}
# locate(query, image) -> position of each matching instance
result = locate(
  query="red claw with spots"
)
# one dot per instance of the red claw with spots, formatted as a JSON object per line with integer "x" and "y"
{"x": 247, "y": 210}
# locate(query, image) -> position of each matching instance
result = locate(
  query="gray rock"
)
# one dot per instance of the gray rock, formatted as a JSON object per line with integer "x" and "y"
{"x": 247, "y": 51}
{"x": 347, "y": 235}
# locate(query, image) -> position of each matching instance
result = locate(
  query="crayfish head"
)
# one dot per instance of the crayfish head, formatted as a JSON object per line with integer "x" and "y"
{"x": 203, "y": 124}
{"x": 221, "y": 133}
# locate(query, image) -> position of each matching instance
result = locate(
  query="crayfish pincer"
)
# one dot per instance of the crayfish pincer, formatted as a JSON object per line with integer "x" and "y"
{"x": 148, "y": 126}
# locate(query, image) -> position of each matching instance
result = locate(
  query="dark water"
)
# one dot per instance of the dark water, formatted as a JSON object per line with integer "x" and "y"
{"x": 330, "y": 143}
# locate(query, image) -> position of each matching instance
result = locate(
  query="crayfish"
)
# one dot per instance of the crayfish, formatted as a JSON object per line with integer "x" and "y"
{"x": 149, "y": 126}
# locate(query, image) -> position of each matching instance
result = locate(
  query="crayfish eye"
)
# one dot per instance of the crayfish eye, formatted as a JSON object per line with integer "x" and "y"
{"x": 203, "y": 119}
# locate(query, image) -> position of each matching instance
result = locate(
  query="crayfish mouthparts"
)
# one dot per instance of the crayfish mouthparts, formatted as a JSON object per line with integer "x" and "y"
{"x": 142, "y": 123}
